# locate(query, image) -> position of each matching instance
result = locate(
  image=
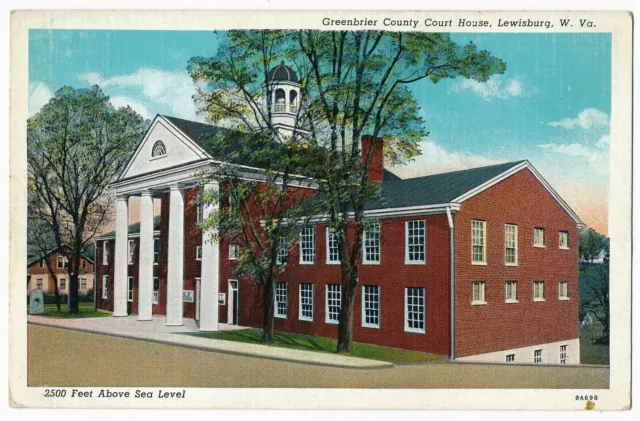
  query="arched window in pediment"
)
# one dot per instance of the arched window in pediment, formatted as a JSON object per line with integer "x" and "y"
{"x": 158, "y": 149}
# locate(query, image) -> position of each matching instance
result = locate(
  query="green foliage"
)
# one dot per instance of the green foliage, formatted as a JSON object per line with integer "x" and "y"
{"x": 594, "y": 294}
{"x": 76, "y": 144}
{"x": 592, "y": 244}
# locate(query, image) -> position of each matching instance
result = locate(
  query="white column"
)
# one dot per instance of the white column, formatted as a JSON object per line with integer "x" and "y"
{"x": 175, "y": 269}
{"x": 145, "y": 278}
{"x": 120, "y": 257}
{"x": 209, "y": 273}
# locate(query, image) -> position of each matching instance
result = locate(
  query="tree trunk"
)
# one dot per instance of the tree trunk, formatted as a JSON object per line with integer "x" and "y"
{"x": 345, "y": 327}
{"x": 268, "y": 311}
{"x": 73, "y": 293}
{"x": 56, "y": 291}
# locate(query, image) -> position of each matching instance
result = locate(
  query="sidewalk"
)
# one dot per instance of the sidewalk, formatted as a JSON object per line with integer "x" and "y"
{"x": 156, "y": 331}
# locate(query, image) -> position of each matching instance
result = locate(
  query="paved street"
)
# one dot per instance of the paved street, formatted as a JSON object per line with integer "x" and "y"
{"x": 62, "y": 357}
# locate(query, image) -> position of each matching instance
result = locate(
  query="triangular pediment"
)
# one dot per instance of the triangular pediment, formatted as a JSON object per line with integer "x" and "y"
{"x": 179, "y": 150}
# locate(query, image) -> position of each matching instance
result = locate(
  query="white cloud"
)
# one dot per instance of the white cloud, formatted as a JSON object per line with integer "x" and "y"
{"x": 436, "y": 159}
{"x": 604, "y": 141}
{"x": 123, "y": 101}
{"x": 495, "y": 87}
{"x": 39, "y": 95}
{"x": 593, "y": 156}
{"x": 589, "y": 118}
{"x": 170, "y": 91}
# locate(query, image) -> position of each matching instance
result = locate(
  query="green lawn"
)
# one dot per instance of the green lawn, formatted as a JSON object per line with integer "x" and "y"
{"x": 591, "y": 353}
{"x": 321, "y": 344}
{"x": 86, "y": 310}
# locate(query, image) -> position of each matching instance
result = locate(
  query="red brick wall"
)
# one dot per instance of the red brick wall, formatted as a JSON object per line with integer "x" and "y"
{"x": 520, "y": 200}
{"x": 392, "y": 275}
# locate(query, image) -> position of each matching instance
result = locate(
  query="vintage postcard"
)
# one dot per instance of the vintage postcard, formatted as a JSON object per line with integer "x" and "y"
{"x": 295, "y": 209}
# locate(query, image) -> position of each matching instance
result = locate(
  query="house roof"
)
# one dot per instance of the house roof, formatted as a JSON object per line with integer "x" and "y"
{"x": 134, "y": 229}
{"x": 34, "y": 255}
{"x": 435, "y": 189}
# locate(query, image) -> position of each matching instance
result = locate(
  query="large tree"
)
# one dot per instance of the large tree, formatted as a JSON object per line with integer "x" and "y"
{"x": 262, "y": 217}
{"x": 355, "y": 83}
{"x": 76, "y": 144}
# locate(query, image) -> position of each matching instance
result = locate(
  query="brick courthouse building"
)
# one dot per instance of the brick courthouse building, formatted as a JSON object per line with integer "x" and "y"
{"x": 480, "y": 264}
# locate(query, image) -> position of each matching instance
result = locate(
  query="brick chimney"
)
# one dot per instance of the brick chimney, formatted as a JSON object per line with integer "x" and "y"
{"x": 375, "y": 165}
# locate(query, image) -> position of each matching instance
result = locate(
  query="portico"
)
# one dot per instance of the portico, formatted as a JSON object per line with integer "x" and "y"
{"x": 164, "y": 166}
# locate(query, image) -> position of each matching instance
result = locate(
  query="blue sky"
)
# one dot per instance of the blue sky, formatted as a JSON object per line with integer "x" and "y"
{"x": 552, "y": 105}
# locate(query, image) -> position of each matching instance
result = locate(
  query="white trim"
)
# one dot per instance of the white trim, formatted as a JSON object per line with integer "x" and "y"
{"x": 563, "y": 297}
{"x": 158, "y": 239}
{"x": 131, "y": 246}
{"x": 105, "y": 252}
{"x": 537, "y": 245}
{"x": 538, "y": 299}
{"x": 482, "y": 262}
{"x": 407, "y": 261}
{"x": 326, "y": 304}
{"x": 365, "y": 261}
{"x": 313, "y": 232}
{"x": 329, "y": 232}
{"x": 130, "y": 288}
{"x": 155, "y": 298}
{"x": 105, "y": 287}
{"x": 560, "y": 246}
{"x": 198, "y": 252}
{"x": 229, "y": 302}
{"x": 516, "y": 245}
{"x": 363, "y": 307}
{"x": 511, "y": 171}
{"x": 231, "y": 254}
{"x": 300, "y": 312}
{"x": 482, "y": 285}
{"x": 276, "y": 314}
{"x": 406, "y": 310}
{"x": 514, "y": 291}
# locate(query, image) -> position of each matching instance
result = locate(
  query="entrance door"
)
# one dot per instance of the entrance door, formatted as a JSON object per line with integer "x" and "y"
{"x": 233, "y": 302}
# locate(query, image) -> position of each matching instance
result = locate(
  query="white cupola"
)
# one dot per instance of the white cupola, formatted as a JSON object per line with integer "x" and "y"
{"x": 284, "y": 85}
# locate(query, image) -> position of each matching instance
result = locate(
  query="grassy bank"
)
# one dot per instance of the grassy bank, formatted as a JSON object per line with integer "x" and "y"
{"x": 320, "y": 344}
{"x": 591, "y": 353}
{"x": 85, "y": 310}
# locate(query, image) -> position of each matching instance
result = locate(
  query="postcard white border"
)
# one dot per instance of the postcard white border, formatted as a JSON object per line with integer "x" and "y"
{"x": 617, "y": 397}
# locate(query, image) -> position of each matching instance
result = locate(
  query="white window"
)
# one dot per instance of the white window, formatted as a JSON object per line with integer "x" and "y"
{"x": 510, "y": 245}
{"x": 537, "y": 356}
{"x": 511, "y": 358}
{"x": 371, "y": 244}
{"x": 511, "y": 292}
{"x": 306, "y": 302}
{"x": 60, "y": 262}
{"x": 199, "y": 214}
{"x": 563, "y": 290}
{"x": 415, "y": 247}
{"x": 280, "y": 309}
{"x": 371, "y": 306}
{"x": 158, "y": 149}
{"x": 39, "y": 283}
{"x": 234, "y": 251}
{"x": 478, "y": 242}
{"x": 156, "y": 251}
{"x": 83, "y": 282}
{"x": 131, "y": 249}
{"x": 538, "y": 237}
{"x": 105, "y": 253}
{"x": 283, "y": 251}
{"x": 130, "y": 289}
{"x": 564, "y": 240}
{"x": 332, "y": 311}
{"x": 156, "y": 290}
{"x": 105, "y": 287}
{"x": 307, "y": 245}
{"x": 63, "y": 283}
{"x": 414, "y": 310}
{"x": 538, "y": 290}
{"x": 333, "y": 256}
{"x": 198, "y": 252}
{"x": 563, "y": 354}
{"x": 478, "y": 293}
